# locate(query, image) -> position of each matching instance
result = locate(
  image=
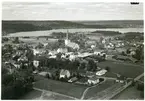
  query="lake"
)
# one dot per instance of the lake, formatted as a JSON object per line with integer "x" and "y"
{"x": 81, "y": 30}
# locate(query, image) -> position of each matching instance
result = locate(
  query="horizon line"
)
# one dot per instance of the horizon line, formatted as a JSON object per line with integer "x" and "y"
{"x": 80, "y": 20}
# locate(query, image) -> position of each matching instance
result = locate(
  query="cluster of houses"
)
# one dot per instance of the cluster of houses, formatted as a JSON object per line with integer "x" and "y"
{"x": 21, "y": 60}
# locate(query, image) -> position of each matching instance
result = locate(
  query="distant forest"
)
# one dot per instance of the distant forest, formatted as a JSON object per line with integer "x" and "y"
{"x": 23, "y": 26}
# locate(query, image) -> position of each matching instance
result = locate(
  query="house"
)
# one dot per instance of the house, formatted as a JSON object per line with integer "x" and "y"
{"x": 35, "y": 52}
{"x": 120, "y": 79}
{"x": 72, "y": 45}
{"x": 62, "y": 50}
{"x": 35, "y": 72}
{"x": 94, "y": 80}
{"x": 101, "y": 72}
{"x": 16, "y": 65}
{"x": 23, "y": 58}
{"x": 52, "y": 53}
{"x": 64, "y": 73}
{"x": 43, "y": 73}
{"x": 72, "y": 57}
{"x": 121, "y": 57}
{"x": 93, "y": 46}
{"x": 53, "y": 56}
{"x": 73, "y": 79}
{"x": 90, "y": 74}
{"x": 36, "y": 63}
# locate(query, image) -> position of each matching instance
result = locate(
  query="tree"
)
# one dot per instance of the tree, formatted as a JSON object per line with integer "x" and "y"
{"x": 16, "y": 40}
{"x": 40, "y": 45}
{"x": 123, "y": 53}
{"x": 139, "y": 53}
{"x": 16, "y": 84}
{"x": 128, "y": 51}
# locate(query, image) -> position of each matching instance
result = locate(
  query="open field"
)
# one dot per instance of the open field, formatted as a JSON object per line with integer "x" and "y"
{"x": 61, "y": 87}
{"x": 128, "y": 70}
{"x": 70, "y": 89}
{"x": 131, "y": 93}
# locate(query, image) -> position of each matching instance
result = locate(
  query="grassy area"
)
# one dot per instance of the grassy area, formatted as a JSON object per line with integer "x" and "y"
{"x": 110, "y": 74}
{"x": 61, "y": 87}
{"x": 93, "y": 91}
{"x": 128, "y": 70}
{"x": 130, "y": 93}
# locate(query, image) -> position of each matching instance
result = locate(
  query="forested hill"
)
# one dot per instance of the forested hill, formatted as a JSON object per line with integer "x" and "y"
{"x": 21, "y": 26}
{"x": 117, "y": 23}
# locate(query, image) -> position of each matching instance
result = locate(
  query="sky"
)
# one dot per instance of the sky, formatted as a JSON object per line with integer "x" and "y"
{"x": 71, "y": 11}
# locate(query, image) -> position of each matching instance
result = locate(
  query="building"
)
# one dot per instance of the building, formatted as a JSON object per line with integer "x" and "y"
{"x": 73, "y": 79}
{"x": 101, "y": 72}
{"x": 62, "y": 50}
{"x": 35, "y": 52}
{"x": 70, "y": 44}
{"x": 120, "y": 79}
{"x": 36, "y": 63}
{"x": 64, "y": 73}
{"x": 43, "y": 73}
{"x": 94, "y": 80}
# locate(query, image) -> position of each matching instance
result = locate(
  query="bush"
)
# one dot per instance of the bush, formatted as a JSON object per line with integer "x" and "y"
{"x": 101, "y": 79}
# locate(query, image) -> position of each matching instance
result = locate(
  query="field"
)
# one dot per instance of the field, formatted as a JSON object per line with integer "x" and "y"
{"x": 131, "y": 93}
{"x": 128, "y": 70}
{"x": 61, "y": 87}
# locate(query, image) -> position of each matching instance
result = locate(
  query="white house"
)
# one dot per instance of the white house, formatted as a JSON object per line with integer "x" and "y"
{"x": 36, "y": 51}
{"x": 62, "y": 50}
{"x": 72, "y": 57}
{"x": 73, "y": 45}
{"x": 92, "y": 46}
{"x": 43, "y": 73}
{"x": 101, "y": 72}
{"x": 35, "y": 63}
{"x": 73, "y": 79}
{"x": 64, "y": 73}
{"x": 93, "y": 80}
{"x": 53, "y": 56}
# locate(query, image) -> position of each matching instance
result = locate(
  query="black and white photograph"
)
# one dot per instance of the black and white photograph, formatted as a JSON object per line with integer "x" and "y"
{"x": 72, "y": 51}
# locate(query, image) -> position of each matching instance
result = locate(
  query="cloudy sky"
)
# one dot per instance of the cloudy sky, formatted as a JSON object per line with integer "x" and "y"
{"x": 71, "y": 11}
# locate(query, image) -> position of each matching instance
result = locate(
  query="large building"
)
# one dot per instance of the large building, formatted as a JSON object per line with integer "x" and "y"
{"x": 70, "y": 44}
